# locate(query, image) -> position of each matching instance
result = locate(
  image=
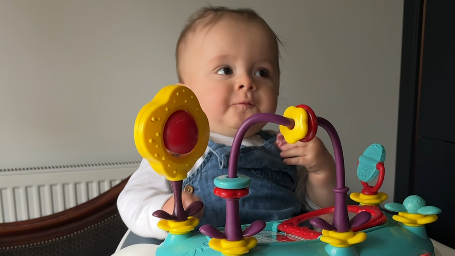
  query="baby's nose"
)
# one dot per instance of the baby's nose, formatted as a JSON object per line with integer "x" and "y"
{"x": 246, "y": 86}
{"x": 245, "y": 82}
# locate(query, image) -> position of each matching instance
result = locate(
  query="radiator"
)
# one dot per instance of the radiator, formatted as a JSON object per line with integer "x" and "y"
{"x": 27, "y": 193}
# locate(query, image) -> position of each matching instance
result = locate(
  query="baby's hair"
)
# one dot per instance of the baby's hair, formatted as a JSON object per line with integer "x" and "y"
{"x": 211, "y": 15}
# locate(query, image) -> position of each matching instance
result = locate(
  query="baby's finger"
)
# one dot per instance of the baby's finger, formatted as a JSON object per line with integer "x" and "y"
{"x": 294, "y": 161}
{"x": 280, "y": 141}
{"x": 293, "y": 152}
{"x": 289, "y": 146}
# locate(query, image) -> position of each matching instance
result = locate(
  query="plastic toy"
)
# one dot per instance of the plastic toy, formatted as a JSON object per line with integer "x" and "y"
{"x": 172, "y": 149}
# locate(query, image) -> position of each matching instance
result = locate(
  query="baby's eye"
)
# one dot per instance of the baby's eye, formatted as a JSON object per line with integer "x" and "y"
{"x": 262, "y": 73}
{"x": 224, "y": 71}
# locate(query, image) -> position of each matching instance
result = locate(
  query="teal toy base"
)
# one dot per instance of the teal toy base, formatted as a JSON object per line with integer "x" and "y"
{"x": 390, "y": 238}
{"x": 343, "y": 251}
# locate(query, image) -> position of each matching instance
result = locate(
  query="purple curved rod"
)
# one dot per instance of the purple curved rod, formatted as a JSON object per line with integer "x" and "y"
{"x": 261, "y": 117}
{"x": 340, "y": 214}
{"x": 337, "y": 150}
{"x": 340, "y": 218}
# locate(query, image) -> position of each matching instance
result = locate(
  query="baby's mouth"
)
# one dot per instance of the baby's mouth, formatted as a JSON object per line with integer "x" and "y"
{"x": 244, "y": 103}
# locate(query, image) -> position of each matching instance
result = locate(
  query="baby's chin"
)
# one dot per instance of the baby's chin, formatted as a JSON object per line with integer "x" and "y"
{"x": 231, "y": 131}
{"x": 255, "y": 129}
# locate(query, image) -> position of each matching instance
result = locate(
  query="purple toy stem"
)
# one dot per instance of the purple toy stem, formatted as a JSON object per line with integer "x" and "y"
{"x": 178, "y": 205}
{"x": 262, "y": 117}
{"x": 179, "y": 214}
{"x": 340, "y": 214}
{"x": 233, "y": 231}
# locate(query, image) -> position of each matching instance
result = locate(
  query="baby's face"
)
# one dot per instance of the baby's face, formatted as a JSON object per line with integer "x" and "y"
{"x": 232, "y": 67}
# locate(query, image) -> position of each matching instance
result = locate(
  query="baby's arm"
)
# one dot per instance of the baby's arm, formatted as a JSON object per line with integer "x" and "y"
{"x": 322, "y": 180}
{"x": 145, "y": 192}
{"x": 315, "y": 157}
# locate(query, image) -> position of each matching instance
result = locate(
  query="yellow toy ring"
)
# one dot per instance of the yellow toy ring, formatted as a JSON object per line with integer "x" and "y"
{"x": 149, "y": 126}
{"x": 300, "y": 117}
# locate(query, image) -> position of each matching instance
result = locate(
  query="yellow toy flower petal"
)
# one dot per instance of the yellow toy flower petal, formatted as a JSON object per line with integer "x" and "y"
{"x": 369, "y": 199}
{"x": 404, "y": 220}
{"x": 342, "y": 239}
{"x": 334, "y": 241}
{"x": 414, "y": 219}
{"x": 149, "y": 125}
{"x": 179, "y": 227}
{"x": 233, "y": 248}
{"x": 357, "y": 238}
{"x": 428, "y": 219}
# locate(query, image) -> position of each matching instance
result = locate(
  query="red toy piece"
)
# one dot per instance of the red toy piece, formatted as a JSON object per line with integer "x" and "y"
{"x": 231, "y": 193}
{"x": 312, "y": 121}
{"x": 291, "y": 226}
{"x": 369, "y": 190}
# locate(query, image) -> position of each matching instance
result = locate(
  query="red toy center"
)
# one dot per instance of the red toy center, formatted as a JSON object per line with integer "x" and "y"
{"x": 180, "y": 132}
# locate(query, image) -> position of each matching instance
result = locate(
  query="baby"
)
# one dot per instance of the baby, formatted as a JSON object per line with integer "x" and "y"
{"x": 230, "y": 60}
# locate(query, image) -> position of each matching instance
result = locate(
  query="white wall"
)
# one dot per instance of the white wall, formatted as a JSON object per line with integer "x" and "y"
{"x": 74, "y": 74}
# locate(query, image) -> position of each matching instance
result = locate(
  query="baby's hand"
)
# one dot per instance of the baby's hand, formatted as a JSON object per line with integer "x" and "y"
{"x": 187, "y": 199}
{"x": 319, "y": 163}
{"x": 313, "y": 154}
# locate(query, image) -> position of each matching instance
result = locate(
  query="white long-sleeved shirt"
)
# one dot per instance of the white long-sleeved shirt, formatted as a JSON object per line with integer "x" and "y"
{"x": 147, "y": 191}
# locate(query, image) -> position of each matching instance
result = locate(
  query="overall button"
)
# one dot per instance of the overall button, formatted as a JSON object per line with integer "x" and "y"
{"x": 189, "y": 189}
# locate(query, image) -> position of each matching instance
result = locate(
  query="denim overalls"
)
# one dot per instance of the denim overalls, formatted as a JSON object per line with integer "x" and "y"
{"x": 271, "y": 195}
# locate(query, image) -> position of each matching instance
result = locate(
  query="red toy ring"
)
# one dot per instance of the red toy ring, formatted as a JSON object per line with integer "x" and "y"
{"x": 312, "y": 123}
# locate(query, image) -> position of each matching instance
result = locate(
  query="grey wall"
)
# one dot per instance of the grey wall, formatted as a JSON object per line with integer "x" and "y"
{"x": 74, "y": 74}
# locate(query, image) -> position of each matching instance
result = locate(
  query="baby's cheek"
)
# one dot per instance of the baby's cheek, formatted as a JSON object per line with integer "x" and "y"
{"x": 212, "y": 107}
